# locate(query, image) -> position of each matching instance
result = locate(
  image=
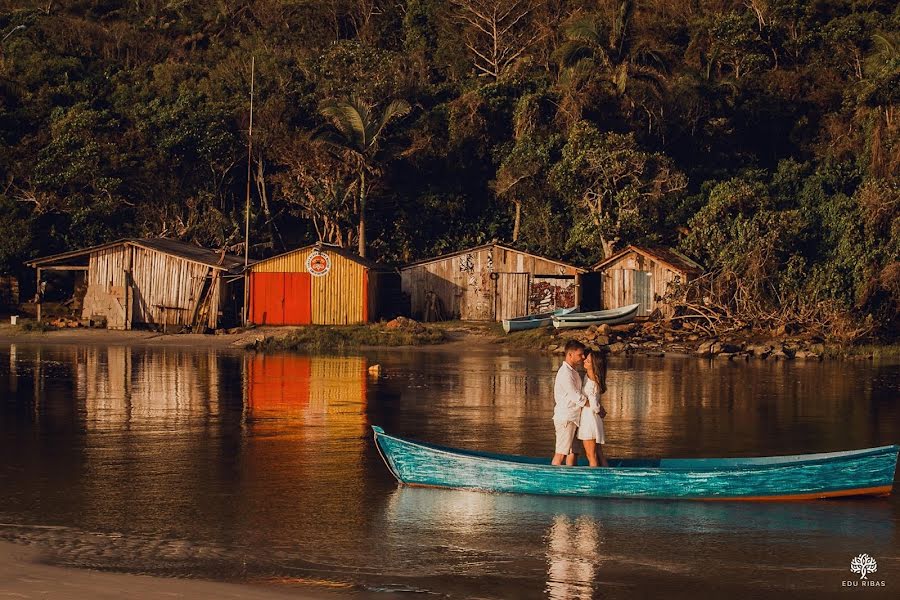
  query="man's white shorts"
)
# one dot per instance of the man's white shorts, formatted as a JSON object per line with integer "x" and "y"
{"x": 565, "y": 436}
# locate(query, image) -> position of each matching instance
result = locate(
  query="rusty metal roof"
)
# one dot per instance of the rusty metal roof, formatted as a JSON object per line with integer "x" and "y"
{"x": 217, "y": 259}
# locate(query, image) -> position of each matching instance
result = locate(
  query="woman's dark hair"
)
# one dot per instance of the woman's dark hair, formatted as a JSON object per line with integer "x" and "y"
{"x": 598, "y": 360}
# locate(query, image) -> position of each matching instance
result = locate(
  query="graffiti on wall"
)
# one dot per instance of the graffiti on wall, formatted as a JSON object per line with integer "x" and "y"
{"x": 550, "y": 293}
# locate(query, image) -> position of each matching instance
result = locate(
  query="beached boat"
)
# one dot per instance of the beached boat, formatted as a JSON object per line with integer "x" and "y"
{"x": 534, "y": 321}
{"x": 613, "y": 316}
{"x": 868, "y": 472}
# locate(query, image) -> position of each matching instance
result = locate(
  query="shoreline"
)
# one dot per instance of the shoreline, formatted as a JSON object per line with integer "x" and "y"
{"x": 634, "y": 339}
{"x": 24, "y": 574}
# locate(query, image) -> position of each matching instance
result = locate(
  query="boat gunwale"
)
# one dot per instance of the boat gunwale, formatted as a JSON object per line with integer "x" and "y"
{"x": 472, "y": 454}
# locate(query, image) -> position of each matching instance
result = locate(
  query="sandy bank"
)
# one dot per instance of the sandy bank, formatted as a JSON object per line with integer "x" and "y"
{"x": 457, "y": 336}
{"x": 22, "y": 575}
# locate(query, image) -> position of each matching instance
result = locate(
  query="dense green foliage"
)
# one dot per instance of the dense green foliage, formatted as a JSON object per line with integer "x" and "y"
{"x": 759, "y": 136}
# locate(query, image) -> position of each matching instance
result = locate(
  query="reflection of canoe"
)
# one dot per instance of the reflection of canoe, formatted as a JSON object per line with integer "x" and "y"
{"x": 455, "y": 511}
{"x": 534, "y": 321}
{"x": 613, "y": 316}
{"x": 800, "y": 477}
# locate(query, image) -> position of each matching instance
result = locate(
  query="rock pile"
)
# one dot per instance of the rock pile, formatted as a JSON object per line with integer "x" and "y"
{"x": 406, "y": 324}
{"x": 653, "y": 338}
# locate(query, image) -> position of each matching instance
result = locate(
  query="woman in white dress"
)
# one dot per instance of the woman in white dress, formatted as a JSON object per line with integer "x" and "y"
{"x": 590, "y": 429}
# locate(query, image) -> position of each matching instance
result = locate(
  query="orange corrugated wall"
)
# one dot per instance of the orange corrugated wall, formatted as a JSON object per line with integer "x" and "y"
{"x": 338, "y": 298}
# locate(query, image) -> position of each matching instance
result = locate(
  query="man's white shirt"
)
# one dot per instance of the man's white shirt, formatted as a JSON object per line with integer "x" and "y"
{"x": 568, "y": 395}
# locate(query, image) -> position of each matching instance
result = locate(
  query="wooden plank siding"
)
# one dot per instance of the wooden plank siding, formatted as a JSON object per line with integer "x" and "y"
{"x": 463, "y": 284}
{"x": 513, "y": 291}
{"x": 620, "y": 276}
{"x": 129, "y": 284}
{"x": 341, "y": 297}
{"x": 166, "y": 288}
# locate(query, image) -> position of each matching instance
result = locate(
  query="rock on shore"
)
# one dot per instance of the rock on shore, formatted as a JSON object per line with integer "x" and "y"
{"x": 653, "y": 338}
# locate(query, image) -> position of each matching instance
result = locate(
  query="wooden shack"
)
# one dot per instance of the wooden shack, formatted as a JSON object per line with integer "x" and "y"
{"x": 487, "y": 283}
{"x": 155, "y": 282}
{"x": 319, "y": 284}
{"x": 643, "y": 275}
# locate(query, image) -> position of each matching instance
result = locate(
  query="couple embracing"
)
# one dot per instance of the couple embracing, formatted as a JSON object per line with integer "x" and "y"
{"x": 578, "y": 412}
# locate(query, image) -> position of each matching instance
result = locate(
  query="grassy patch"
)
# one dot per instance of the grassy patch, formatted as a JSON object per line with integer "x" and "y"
{"x": 343, "y": 337}
{"x": 529, "y": 339}
{"x": 862, "y": 351}
{"x": 39, "y": 326}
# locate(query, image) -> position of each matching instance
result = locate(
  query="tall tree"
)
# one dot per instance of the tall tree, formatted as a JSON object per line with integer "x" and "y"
{"x": 629, "y": 65}
{"x": 358, "y": 128}
{"x": 498, "y": 33}
{"x": 617, "y": 191}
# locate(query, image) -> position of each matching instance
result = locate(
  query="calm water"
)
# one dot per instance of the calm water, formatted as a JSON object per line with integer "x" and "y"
{"x": 204, "y": 463}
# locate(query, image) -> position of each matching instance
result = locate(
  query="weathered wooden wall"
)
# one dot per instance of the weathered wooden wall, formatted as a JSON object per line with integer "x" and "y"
{"x": 167, "y": 289}
{"x": 162, "y": 290}
{"x": 466, "y": 290}
{"x": 105, "y": 295}
{"x": 636, "y": 278}
{"x": 341, "y": 297}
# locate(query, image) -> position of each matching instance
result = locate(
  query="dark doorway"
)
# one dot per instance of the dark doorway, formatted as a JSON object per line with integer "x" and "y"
{"x": 590, "y": 291}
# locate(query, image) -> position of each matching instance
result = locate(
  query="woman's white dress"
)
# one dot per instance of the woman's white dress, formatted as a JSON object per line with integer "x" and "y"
{"x": 591, "y": 425}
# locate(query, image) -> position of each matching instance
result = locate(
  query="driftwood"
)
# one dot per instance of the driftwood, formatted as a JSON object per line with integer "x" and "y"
{"x": 720, "y": 302}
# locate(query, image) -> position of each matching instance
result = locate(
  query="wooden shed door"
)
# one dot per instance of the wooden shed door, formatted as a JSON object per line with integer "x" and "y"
{"x": 280, "y": 298}
{"x": 297, "y": 299}
{"x": 512, "y": 295}
{"x": 642, "y": 292}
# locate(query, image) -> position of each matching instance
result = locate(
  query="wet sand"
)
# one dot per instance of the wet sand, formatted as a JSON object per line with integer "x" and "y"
{"x": 22, "y": 575}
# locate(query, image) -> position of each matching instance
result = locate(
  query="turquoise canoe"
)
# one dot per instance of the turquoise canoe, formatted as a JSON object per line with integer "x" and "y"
{"x": 613, "y": 316}
{"x": 868, "y": 472}
{"x": 534, "y": 321}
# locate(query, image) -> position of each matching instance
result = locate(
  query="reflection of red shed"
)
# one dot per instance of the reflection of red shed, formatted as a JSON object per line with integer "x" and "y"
{"x": 282, "y": 385}
{"x": 317, "y": 284}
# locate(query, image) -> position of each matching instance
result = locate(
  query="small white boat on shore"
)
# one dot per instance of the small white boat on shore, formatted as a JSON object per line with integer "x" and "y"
{"x": 534, "y": 321}
{"x": 613, "y": 316}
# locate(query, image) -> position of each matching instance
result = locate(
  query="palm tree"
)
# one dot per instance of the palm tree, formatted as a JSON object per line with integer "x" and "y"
{"x": 625, "y": 61}
{"x": 357, "y": 128}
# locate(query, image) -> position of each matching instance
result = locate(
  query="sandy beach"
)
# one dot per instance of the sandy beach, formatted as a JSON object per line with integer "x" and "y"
{"x": 23, "y": 575}
{"x": 458, "y": 335}
{"x": 82, "y": 335}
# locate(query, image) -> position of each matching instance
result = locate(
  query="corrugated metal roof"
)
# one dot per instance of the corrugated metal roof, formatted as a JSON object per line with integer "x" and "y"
{"x": 214, "y": 258}
{"x": 229, "y": 263}
{"x": 490, "y": 245}
{"x": 668, "y": 256}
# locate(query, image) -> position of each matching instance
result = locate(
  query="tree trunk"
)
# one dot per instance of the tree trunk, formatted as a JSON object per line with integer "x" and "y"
{"x": 608, "y": 248}
{"x": 517, "y": 222}
{"x": 362, "y": 213}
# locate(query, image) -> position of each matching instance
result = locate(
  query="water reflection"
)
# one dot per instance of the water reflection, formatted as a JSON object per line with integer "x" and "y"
{"x": 225, "y": 464}
{"x": 573, "y": 557}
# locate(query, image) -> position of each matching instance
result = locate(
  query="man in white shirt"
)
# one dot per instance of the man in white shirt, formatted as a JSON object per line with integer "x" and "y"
{"x": 569, "y": 401}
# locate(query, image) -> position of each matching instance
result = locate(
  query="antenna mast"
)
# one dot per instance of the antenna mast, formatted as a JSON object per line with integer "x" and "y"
{"x": 247, "y": 203}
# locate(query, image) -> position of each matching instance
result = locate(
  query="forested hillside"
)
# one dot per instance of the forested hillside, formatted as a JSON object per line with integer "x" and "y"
{"x": 760, "y": 137}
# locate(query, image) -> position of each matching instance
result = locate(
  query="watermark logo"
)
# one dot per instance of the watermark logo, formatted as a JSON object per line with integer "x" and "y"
{"x": 863, "y": 564}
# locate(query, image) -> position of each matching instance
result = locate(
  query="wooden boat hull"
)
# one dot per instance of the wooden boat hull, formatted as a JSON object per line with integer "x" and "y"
{"x": 615, "y": 316}
{"x": 801, "y": 477}
{"x": 534, "y": 321}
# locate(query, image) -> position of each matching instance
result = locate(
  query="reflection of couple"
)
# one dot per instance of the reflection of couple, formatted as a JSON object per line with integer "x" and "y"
{"x": 578, "y": 411}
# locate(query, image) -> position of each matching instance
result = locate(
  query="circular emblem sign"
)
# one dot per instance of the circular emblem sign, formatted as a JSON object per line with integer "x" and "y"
{"x": 318, "y": 264}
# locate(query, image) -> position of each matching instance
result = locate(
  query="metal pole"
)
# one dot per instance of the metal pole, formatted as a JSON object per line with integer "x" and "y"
{"x": 246, "y": 315}
{"x": 40, "y": 297}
